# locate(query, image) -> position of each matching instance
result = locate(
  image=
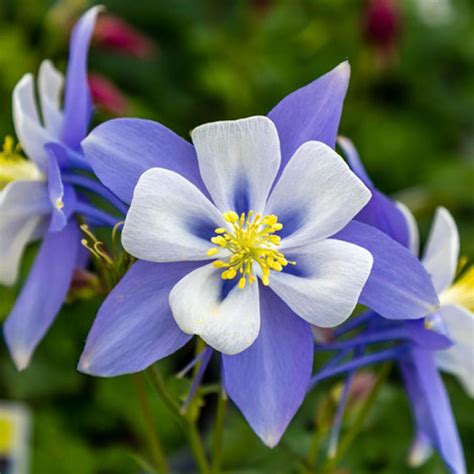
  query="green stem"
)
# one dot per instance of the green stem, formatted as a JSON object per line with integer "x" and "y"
{"x": 314, "y": 446}
{"x": 158, "y": 383}
{"x": 153, "y": 439}
{"x": 359, "y": 422}
{"x": 188, "y": 426}
{"x": 197, "y": 448}
{"x": 218, "y": 432}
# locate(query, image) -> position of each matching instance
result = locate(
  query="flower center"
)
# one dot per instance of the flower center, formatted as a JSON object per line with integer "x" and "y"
{"x": 13, "y": 166}
{"x": 462, "y": 291}
{"x": 252, "y": 240}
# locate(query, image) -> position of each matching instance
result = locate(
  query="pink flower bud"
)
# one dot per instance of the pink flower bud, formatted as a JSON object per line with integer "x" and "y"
{"x": 114, "y": 33}
{"x": 107, "y": 95}
{"x": 382, "y": 22}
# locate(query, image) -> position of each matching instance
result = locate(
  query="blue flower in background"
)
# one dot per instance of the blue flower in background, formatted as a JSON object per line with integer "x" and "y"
{"x": 174, "y": 220}
{"x": 415, "y": 345}
{"x": 455, "y": 316}
{"x": 40, "y": 195}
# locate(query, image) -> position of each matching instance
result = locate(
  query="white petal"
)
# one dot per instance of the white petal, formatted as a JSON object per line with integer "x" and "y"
{"x": 458, "y": 359}
{"x": 442, "y": 250}
{"x": 24, "y": 206}
{"x": 50, "y": 85}
{"x": 238, "y": 161}
{"x": 325, "y": 284}
{"x": 31, "y": 133}
{"x": 229, "y": 323}
{"x": 169, "y": 219}
{"x": 316, "y": 196}
{"x": 413, "y": 234}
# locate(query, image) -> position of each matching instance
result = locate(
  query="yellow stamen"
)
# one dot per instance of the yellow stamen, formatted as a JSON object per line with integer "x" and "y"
{"x": 14, "y": 166}
{"x": 59, "y": 203}
{"x": 231, "y": 217}
{"x": 462, "y": 291}
{"x": 251, "y": 240}
{"x": 95, "y": 246}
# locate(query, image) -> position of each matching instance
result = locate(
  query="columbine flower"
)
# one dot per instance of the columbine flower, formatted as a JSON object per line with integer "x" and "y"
{"x": 423, "y": 348}
{"x": 237, "y": 164}
{"x": 456, "y": 313}
{"x": 171, "y": 220}
{"x": 239, "y": 230}
{"x": 440, "y": 258}
{"x": 39, "y": 197}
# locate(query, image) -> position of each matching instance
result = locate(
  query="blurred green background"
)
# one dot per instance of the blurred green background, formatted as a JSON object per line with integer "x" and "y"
{"x": 409, "y": 110}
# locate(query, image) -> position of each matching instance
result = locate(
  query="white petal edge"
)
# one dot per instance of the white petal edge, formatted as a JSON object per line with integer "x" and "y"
{"x": 24, "y": 206}
{"x": 28, "y": 127}
{"x": 318, "y": 189}
{"x": 230, "y": 324}
{"x": 413, "y": 233}
{"x": 162, "y": 224}
{"x": 441, "y": 253}
{"x": 236, "y": 156}
{"x": 333, "y": 275}
{"x": 50, "y": 87}
{"x": 458, "y": 359}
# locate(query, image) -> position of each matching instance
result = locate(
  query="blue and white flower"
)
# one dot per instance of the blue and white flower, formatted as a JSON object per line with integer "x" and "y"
{"x": 250, "y": 232}
{"x": 244, "y": 239}
{"x": 424, "y": 342}
{"x": 40, "y": 194}
{"x": 456, "y": 313}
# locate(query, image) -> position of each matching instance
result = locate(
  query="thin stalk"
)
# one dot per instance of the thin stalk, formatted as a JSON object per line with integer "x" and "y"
{"x": 155, "y": 447}
{"x": 314, "y": 446}
{"x": 337, "y": 424}
{"x": 191, "y": 364}
{"x": 218, "y": 432}
{"x": 347, "y": 440}
{"x": 187, "y": 425}
{"x": 200, "y": 368}
{"x": 197, "y": 448}
{"x": 158, "y": 384}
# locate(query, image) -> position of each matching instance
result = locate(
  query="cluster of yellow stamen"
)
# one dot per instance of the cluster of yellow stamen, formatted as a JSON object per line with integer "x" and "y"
{"x": 14, "y": 166}
{"x": 462, "y": 290}
{"x": 252, "y": 239}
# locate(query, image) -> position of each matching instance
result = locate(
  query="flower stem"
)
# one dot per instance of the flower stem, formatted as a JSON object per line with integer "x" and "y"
{"x": 197, "y": 448}
{"x": 187, "y": 425}
{"x": 153, "y": 439}
{"x": 218, "y": 432}
{"x": 347, "y": 440}
{"x": 314, "y": 446}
